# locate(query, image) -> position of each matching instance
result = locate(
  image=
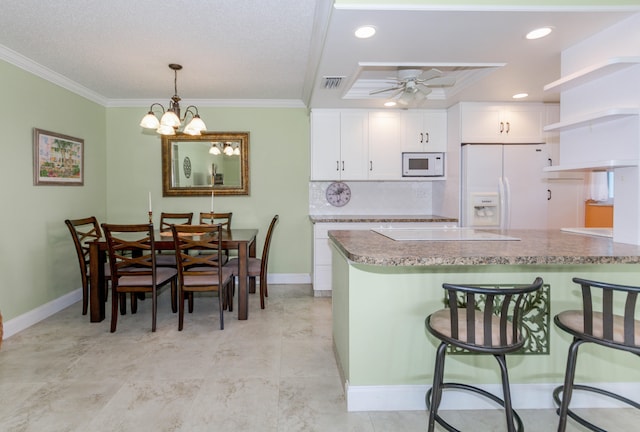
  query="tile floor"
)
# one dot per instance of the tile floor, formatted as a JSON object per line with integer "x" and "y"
{"x": 274, "y": 372}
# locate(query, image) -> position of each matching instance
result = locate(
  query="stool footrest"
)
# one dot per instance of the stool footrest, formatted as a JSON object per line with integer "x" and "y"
{"x": 481, "y": 392}
{"x": 576, "y": 417}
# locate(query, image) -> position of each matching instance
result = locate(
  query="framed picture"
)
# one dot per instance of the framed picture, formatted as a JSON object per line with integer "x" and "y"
{"x": 58, "y": 160}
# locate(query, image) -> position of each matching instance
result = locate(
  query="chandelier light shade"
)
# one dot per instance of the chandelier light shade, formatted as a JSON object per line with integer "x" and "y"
{"x": 170, "y": 119}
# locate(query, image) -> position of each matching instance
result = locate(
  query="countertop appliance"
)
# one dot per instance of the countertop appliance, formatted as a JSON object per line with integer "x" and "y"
{"x": 422, "y": 164}
{"x": 503, "y": 186}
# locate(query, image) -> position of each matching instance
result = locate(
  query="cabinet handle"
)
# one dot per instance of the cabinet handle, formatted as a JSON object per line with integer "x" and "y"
{"x": 426, "y": 135}
{"x": 342, "y": 165}
{"x": 370, "y": 165}
{"x": 548, "y": 194}
{"x": 421, "y": 137}
{"x": 501, "y": 127}
{"x": 550, "y": 162}
{"x": 337, "y": 165}
{"x": 508, "y": 127}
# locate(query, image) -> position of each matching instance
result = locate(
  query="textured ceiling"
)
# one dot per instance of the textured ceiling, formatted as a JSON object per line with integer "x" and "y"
{"x": 279, "y": 50}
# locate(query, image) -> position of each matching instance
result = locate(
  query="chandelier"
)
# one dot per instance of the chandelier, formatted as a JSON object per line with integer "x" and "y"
{"x": 170, "y": 120}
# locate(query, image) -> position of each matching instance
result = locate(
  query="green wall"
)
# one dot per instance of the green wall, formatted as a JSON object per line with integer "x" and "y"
{"x": 122, "y": 165}
{"x": 37, "y": 258}
{"x": 279, "y": 176}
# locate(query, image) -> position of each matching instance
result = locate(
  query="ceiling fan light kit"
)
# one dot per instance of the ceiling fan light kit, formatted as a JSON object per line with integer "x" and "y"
{"x": 170, "y": 119}
{"x": 414, "y": 85}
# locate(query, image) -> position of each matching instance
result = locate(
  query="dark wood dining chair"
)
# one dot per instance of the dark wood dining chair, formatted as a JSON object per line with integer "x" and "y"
{"x": 258, "y": 266}
{"x": 83, "y": 231}
{"x": 488, "y": 322}
{"x": 132, "y": 256}
{"x": 168, "y": 258}
{"x": 200, "y": 272}
{"x": 597, "y": 323}
{"x": 224, "y": 219}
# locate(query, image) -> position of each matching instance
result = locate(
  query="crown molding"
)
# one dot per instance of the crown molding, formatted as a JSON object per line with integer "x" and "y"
{"x": 211, "y": 103}
{"x": 45, "y": 73}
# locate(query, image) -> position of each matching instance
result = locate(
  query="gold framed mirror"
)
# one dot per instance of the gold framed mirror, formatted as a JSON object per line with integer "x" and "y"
{"x": 193, "y": 165}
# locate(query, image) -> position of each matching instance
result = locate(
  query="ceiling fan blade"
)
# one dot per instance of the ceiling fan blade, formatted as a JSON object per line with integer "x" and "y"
{"x": 440, "y": 82}
{"x": 430, "y": 74}
{"x": 396, "y": 87}
{"x": 423, "y": 92}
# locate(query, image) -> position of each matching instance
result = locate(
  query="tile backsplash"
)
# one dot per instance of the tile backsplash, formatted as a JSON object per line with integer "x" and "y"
{"x": 378, "y": 198}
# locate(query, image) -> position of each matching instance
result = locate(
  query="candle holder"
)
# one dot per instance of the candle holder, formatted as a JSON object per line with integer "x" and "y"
{"x": 150, "y": 217}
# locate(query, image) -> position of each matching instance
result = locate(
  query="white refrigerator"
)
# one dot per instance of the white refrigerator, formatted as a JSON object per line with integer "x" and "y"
{"x": 503, "y": 186}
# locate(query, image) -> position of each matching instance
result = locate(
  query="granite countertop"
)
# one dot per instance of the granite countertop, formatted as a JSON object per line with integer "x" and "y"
{"x": 534, "y": 247}
{"x": 380, "y": 218}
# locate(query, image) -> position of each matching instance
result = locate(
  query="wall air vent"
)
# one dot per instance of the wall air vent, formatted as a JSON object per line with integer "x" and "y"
{"x": 331, "y": 82}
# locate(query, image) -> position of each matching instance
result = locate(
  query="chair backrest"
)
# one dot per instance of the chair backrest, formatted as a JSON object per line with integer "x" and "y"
{"x": 84, "y": 231}
{"x": 611, "y": 329}
{"x": 492, "y": 316}
{"x": 224, "y": 219}
{"x": 130, "y": 246}
{"x": 202, "y": 238}
{"x": 267, "y": 245}
{"x": 168, "y": 219}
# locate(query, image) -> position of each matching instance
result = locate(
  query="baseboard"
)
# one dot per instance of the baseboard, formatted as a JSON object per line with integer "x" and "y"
{"x": 523, "y": 396}
{"x": 289, "y": 278}
{"x": 36, "y": 315}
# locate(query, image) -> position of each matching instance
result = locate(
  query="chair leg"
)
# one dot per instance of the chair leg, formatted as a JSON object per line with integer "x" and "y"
{"x": 85, "y": 298}
{"x": 263, "y": 290}
{"x": 115, "y": 299}
{"x": 180, "y": 308}
{"x": 567, "y": 388}
{"x": 154, "y": 308}
{"x": 506, "y": 392}
{"x": 190, "y": 298}
{"x": 231, "y": 293}
{"x": 436, "y": 389}
{"x": 221, "y": 300}
{"x": 174, "y": 296}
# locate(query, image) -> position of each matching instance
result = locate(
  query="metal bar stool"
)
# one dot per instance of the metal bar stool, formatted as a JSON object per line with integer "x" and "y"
{"x": 602, "y": 327}
{"x": 490, "y": 327}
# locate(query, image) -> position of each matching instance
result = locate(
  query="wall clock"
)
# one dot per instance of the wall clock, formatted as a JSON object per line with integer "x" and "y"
{"x": 186, "y": 166}
{"x": 338, "y": 194}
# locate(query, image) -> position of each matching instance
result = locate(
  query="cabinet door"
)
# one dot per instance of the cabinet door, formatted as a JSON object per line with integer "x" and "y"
{"x": 566, "y": 204}
{"x": 523, "y": 123}
{"x": 481, "y": 123}
{"x": 354, "y": 135}
{"x": 325, "y": 145}
{"x": 424, "y": 131}
{"x": 385, "y": 150}
{"x": 435, "y": 130}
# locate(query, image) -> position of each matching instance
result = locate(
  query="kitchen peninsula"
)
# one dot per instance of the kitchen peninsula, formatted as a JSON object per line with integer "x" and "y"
{"x": 383, "y": 290}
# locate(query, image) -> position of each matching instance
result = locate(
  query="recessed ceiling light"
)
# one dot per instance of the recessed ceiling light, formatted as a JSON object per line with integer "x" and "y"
{"x": 365, "y": 31}
{"x": 539, "y": 33}
{"x": 520, "y": 95}
{"x": 390, "y": 103}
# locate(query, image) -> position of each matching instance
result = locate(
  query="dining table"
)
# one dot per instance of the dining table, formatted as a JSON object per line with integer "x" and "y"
{"x": 243, "y": 240}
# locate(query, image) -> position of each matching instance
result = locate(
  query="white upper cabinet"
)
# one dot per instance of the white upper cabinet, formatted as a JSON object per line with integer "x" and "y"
{"x": 339, "y": 145}
{"x": 424, "y": 131}
{"x": 508, "y": 123}
{"x": 385, "y": 150}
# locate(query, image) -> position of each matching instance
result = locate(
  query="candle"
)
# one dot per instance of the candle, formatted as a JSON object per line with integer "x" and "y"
{"x": 211, "y": 201}
{"x": 149, "y": 202}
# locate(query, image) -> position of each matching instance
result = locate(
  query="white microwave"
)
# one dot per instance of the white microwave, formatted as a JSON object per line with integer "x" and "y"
{"x": 422, "y": 164}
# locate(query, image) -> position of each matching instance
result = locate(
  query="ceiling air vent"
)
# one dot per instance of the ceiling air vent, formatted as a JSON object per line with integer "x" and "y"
{"x": 331, "y": 82}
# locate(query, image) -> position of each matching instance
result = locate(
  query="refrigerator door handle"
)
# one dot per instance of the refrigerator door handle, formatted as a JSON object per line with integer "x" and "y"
{"x": 505, "y": 202}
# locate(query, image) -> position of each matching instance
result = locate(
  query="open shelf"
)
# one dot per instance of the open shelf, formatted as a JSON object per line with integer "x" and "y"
{"x": 593, "y": 165}
{"x": 590, "y": 73}
{"x": 593, "y": 118}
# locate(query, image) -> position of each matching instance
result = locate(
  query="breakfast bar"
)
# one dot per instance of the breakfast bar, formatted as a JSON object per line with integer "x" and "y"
{"x": 384, "y": 287}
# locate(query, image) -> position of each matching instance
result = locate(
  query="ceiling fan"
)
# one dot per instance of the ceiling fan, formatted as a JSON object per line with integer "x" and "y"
{"x": 415, "y": 84}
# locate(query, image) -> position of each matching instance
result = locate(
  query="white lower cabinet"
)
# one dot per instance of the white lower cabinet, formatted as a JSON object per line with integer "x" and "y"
{"x": 322, "y": 249}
